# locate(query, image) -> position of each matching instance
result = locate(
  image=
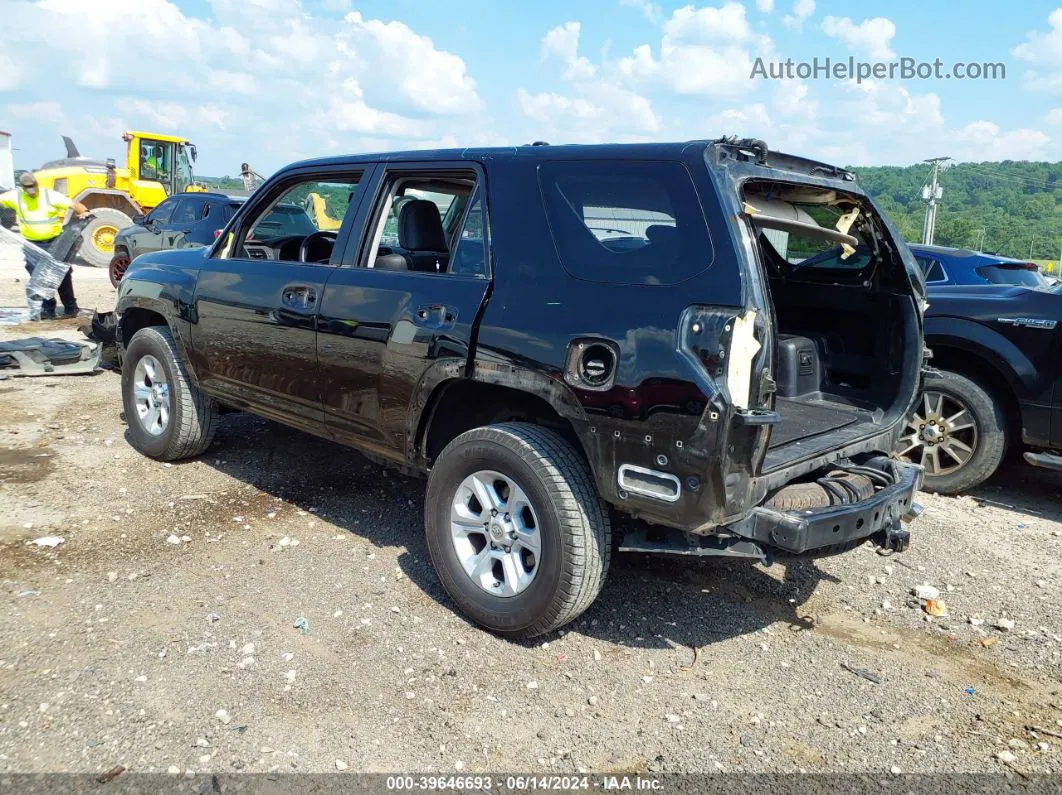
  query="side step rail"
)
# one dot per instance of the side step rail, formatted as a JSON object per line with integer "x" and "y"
{"x": 1045, "y": 460}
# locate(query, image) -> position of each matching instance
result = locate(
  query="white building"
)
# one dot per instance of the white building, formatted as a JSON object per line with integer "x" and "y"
{"x": 7, "y": 162}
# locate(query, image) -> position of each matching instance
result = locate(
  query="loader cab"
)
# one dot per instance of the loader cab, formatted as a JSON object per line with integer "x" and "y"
{"x": 162, "y": 159}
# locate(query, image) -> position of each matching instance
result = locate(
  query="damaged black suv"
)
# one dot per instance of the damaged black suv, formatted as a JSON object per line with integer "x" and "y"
{"x": 717, "y": 342}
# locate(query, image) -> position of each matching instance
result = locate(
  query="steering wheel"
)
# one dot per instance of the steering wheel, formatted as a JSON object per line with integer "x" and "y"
{"x": 304, "y": 247}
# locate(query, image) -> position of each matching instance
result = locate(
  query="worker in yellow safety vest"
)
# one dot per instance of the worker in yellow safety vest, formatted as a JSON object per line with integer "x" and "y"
{"x": 40, "y": 213}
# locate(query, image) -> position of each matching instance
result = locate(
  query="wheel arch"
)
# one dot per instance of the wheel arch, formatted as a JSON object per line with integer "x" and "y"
{"x": 454, "y": 405}
{"x": 977, "y": 364}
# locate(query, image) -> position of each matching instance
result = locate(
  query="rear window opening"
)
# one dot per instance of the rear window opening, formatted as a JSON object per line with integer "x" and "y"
{"x": 845, "y": 322}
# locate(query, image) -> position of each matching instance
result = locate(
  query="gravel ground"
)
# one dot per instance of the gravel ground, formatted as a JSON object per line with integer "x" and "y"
{"x": 161, "y": 634}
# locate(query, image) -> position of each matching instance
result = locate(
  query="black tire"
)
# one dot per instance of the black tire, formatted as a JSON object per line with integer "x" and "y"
{"x": 990, "y": 426}
{"x": 104, "y": 217}
{"x": 193, "y": 416}
{"x": 572, "y": 519}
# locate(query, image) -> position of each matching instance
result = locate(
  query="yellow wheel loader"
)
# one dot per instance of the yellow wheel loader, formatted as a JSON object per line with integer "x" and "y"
{"x": 156, "y": 166}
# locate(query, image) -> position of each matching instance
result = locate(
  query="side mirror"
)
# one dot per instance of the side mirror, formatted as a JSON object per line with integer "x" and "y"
{"x": 140, "y": 219}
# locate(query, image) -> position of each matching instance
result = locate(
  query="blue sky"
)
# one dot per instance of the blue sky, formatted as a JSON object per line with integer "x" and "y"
{"x": 270, "y": 81}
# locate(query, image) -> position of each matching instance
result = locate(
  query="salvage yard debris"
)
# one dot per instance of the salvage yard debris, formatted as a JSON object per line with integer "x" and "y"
{"x": 49, "y": 541}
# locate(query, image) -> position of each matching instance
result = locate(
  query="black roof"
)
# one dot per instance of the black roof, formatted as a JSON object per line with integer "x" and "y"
{"x": 647, "y": 151}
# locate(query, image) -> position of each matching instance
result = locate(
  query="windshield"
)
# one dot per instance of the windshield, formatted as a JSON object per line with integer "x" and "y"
{"x": 284, "y": 220}
{"x": 1013, "y": 273}
{"x": 183, "y": 175}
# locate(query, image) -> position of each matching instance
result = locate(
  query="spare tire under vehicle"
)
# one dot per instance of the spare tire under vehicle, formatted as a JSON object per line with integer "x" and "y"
{"x": 842, "y": 488}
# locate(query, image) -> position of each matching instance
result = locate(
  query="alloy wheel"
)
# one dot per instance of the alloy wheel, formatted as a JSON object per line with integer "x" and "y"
{"x": 151, "y": 393}
{"x": 941, "y": 434}
{"x": 495, "y": 533}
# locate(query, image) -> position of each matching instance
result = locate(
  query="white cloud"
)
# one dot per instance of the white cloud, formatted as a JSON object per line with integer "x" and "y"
{"x": 802, "y": 9}
{"x": 176, "y": 116}
{"x": 984, "y": 140}
{"x": 871, "y": 36}
{"x": 39, "y": 111}
{"x": 1043, "y": 48}
{"x": 1054, "y": 116}
{"x": 651, "y": 11}
{"x": 563, "y": 43}
{"x": 707, "y": 51}
{"x": 434, "y": 80}
{"x": 1044, "y": 52}
{"x": 252, "y": 75}
{"x": 792, "y": 99}
{"x": 766, "y": 6}
{"x": 10, "y": 73}
{"x": 599, "y": 107}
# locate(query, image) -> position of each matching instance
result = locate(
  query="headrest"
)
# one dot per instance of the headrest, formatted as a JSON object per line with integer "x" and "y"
{"x": 420, "y": 227}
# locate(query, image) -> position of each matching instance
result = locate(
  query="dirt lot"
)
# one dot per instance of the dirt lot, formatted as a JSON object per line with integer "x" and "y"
{"x": 160, "y": 635}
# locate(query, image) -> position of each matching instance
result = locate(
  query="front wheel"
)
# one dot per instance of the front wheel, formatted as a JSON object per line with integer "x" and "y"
{"x": 957, "y": 432}
{"x": 516, "y": 530}
{"x": 169, "y": 418}
{"x": 119, "y": 265}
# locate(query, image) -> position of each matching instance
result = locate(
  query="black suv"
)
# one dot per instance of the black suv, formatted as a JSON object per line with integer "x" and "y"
{"x": 190, "y": 220}
{"x": 716, "y": 340}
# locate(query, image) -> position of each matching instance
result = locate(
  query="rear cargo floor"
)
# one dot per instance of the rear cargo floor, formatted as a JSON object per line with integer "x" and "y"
{"x": 801, "y": 419}
{"x": 813, "y": 426}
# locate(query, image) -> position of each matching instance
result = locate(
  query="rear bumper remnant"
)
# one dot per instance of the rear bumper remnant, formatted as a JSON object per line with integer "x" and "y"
{"x": 879, "y": 518}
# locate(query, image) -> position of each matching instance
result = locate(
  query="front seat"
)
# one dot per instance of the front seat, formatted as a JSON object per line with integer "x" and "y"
{"x": 420, "y": 233}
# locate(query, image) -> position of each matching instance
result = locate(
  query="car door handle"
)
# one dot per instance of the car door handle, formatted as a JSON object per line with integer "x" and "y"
{"x": 299, "y": 296}
{"x": 435, "y": 315}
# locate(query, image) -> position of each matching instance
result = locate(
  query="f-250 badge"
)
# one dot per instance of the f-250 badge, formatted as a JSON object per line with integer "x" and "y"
{"x": 1028, "y": 322}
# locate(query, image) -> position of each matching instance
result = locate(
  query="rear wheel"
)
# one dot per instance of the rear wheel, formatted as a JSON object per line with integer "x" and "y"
{"x": 515, "y": 528}
{"x": 957, "y": 432}
{"x": 97, "y": 238}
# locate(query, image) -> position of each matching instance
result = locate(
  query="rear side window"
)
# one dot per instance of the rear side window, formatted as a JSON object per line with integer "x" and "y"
{"x": 625, "y": 222}
{"x": 931, "y": 269}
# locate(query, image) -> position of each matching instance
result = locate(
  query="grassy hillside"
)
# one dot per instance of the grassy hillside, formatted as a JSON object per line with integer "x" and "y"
{"x": 1017, "y": 204}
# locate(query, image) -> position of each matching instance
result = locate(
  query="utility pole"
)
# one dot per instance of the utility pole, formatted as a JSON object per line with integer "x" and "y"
{"x": 931, "y": 196}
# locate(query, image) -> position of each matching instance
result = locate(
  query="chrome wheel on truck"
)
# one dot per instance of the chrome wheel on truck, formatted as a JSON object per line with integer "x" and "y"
{"x": 956, "y": 431}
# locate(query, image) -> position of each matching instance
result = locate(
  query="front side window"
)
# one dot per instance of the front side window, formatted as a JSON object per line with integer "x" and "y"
{"x": 156, "y": 160}
{"x": 626, "y": 222}
{"x": 186, "y": 211}
{"x": 162, "y": 213}
{"x": 301, "y": 224}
